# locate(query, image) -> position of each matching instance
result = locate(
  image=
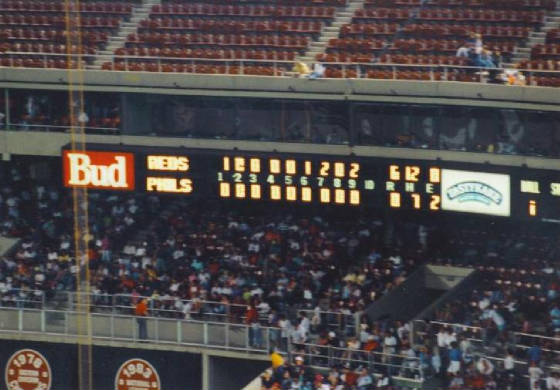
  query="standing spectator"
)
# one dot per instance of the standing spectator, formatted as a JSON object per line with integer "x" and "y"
{"x": 276, "y": 359}
{"x": 457, "y": 382}
{"x": 364, "y": 380}
{"x": 436, "y": 361}
{"x": 252, "y": 320}
{"x": 555, "y": 316}
{"x": 389, "y": 347}
{"x": 534, "y": 353}
{"x": 285, "y": 330}
{"x": 455, "y": 357}
{"x": 535, "y": 375}
{"x": 141, "y": 311}
{"x": 553, "y": 381}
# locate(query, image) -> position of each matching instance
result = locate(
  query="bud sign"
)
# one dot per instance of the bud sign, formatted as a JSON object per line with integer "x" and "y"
{"x": 99, "y": 170}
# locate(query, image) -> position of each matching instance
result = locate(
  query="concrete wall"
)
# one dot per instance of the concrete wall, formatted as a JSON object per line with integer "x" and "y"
{"x": 49, "y": 144}
{"x": 441, "y": 92}
{"x": 177, "y": 370}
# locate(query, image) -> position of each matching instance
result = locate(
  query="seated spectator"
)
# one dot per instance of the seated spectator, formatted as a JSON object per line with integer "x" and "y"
{"x": 302, "y": 69}
{"x": 318, "y": 71}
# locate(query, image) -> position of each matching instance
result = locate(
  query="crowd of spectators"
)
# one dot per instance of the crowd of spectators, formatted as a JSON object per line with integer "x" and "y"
{"x": 517, "y": 276}
{"x": 283, "y": 268}
{"x": 299, "y": 375}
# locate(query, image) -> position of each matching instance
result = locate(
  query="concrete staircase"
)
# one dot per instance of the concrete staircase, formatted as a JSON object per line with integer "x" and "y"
{"x": 139, "y": 13}
{"x": 341, "y": 17}
{"x": 551, "y": 21}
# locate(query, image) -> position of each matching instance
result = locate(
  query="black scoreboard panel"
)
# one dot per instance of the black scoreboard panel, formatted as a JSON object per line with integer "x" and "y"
{"x": 348, "y": 181}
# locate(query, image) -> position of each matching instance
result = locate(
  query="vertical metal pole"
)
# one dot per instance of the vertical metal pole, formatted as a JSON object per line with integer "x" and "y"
{"x": 7, "y": 107}
{"x": 179, "y": 332}
{"x": 157, "y": 329}
{"x": 247, "y": 337}
{"x": 43, "y": 320}
{"x": 205, "y": 335}
{"x": 66, "y": 322}
{"x": 227, "y": 334}
{"x": 268, "y": 339}
{"x": 205, "y": 371}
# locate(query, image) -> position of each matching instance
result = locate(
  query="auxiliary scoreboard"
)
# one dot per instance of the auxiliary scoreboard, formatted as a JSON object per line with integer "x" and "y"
{"x": 317, "y": 179}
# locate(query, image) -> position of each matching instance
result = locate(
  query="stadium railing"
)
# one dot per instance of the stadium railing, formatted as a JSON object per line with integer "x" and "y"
{"x": 328, "y": 356}
{"x": 520, "y": 340}
{"x": 195, "y": 333}
{"x": 59, "y": 128}
{"x": 21, "y": 298}
{"x": 477, "y": 339}
{"x": 285, "y": 68}
{"x": 162, "y": 306}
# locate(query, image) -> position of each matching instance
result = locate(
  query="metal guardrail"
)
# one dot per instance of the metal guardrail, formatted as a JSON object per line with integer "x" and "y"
{"x": 58, "y": 128}
{"x": 125, "y": 328}
{"x": 20, "y": 298}
{"x": 395, "y": 364}
{"x": 181, "y": 332}
{"x": 519, "y": 338}
{"x": 280, "y": 67}
{"x": 345, "y": 324}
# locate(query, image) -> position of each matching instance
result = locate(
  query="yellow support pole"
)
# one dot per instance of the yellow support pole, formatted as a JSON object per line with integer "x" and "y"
{"x": 75, "y": 68}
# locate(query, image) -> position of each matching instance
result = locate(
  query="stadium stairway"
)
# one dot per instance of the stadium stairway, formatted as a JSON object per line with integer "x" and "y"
{"x": 521, "y": 53}
{"x": 342, "y": 16}
{"x": 118, "y": 40}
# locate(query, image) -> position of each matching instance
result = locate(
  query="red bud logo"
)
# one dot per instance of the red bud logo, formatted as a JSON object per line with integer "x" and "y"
{"x": 100, "y": 170}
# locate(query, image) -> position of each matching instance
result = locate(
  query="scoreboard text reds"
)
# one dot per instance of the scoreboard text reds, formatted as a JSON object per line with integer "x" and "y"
{"x": 313, "y": 179}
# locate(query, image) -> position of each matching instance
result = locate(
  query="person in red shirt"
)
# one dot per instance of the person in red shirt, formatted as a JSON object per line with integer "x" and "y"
{"x": 252, "y": 319}
{"x": 141, "y": 311}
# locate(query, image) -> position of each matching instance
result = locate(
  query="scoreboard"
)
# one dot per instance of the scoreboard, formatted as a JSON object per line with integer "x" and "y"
{"x": 347, "y": 181}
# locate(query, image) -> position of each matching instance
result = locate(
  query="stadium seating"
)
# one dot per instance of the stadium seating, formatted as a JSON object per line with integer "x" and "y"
{"x": 261, "y": 33}
{"x": 39, "y": 27}
{"x": 258, "y": 31}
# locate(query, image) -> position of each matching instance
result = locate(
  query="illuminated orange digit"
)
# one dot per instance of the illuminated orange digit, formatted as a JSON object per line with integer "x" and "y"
{"x": 225, "y": 191}
{"x": 411, "y": 173}
{"x": 415, "y": 200}
{"x": 394, "y": 173}
{"x": 532, "y": 208}
{"x": 306, "y": 194}
{"x": 394, "y": 199}
{"x": 255, "y": 191}
{"x": 354, "y": 170}
{"x": 434, "y": 202}
{"x": 435, "y": 175}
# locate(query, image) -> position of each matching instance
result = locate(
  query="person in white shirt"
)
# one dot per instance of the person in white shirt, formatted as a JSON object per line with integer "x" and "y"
{"x": 364, "y": 380}
{"x": 535, "y": 375}
{"x": 484, "y": 366}
{"x": 553, "y": 381}
{"x": 285, "y": 330}
{"x": 305, "y": 323}
{"x": 389, "y": 347}
{"x": 509, "y": 363}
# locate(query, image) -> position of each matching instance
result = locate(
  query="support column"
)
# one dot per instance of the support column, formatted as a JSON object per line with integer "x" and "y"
{"x": 205, "y": 371}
